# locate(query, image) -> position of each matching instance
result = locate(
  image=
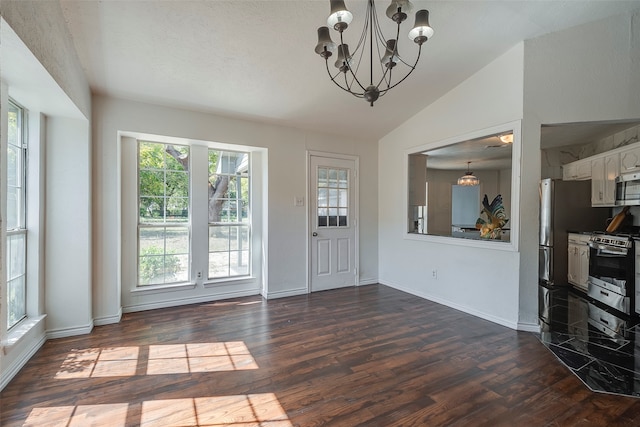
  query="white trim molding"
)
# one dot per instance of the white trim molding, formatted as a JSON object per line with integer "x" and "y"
{"x": 70, "y": 332}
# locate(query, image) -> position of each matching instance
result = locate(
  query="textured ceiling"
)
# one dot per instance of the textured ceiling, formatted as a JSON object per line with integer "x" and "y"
{"x": 255, "y": 59}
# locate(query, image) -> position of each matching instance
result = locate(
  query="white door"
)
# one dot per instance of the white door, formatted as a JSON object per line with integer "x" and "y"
{"x": 332, "y": 213}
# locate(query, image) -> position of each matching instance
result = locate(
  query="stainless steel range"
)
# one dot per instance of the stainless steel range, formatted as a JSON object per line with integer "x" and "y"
{"x": 612, "y": 271}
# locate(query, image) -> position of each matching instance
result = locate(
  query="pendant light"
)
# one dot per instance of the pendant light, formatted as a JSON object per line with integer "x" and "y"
{"x": 382, "y": 72}
{"x": 468, "y": 178}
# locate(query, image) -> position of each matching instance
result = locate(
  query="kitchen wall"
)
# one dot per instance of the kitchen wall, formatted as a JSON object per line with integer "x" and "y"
{"x": 554, "y": 158}
{"x": 586, "y": 73}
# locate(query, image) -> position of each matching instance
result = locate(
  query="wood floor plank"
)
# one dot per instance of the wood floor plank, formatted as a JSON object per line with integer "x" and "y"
{"x": 368, "y": 356}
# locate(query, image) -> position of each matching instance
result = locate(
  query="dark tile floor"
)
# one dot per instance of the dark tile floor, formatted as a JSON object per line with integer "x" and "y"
{"x": 597, "y": 344}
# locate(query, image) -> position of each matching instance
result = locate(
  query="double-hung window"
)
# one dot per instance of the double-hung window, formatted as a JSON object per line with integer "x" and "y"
{"x": 163, "y": 220}
{"x": 16, "y": 216}
{"x": 166, "y": 226}
{"x": 229, "y": 215}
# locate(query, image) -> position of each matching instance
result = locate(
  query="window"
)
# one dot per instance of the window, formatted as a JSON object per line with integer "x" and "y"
{"x": 333, "y": 197}
{"x": 163, "y": 220}
{"x": 16, "y": 216}
{"x": 450, "y": 208}
{"x": 229, "y": 214}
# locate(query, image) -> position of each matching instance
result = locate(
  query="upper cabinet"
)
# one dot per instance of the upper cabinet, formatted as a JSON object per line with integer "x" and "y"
{"x": 604, "y": 170}
{"x": 630, "y": 159}
{"x": 577, "y": 171}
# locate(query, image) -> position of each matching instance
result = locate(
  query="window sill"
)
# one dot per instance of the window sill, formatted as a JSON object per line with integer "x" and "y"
{"x": 223, "y": 282}
{"x": 16, "y": 334}
{"x": 499, "y": 245}
{"x": 157, "y": 289}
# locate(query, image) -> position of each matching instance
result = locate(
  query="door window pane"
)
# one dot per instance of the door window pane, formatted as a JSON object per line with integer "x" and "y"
{"x": 332, "y": 193}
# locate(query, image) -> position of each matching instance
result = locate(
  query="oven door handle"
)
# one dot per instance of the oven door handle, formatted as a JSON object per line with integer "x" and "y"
{"x": 610, "y": 251}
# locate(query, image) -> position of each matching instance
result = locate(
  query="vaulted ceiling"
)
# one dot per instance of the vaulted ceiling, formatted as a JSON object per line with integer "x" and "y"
{"x": 256, "y": 60}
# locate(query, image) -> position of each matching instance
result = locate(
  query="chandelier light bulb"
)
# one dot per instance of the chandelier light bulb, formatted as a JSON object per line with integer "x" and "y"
{"x": 340, "y": 17}
{"x": 421, "y": 31}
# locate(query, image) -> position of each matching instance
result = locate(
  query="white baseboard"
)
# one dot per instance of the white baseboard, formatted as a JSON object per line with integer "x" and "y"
{"x": 284, "y": 294}
{"x": 70, "y": 332}
{"x": 187, "y": 301}
{"x": 529, "y": 327}
{"x": 108, "y": 320}
{"x": 369, "y": 281}
{"x": 495, "y": 319}
{"x": 11, "y": 371}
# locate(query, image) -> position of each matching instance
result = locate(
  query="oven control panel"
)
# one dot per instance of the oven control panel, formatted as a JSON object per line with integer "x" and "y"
{"x": 610, "y": 240}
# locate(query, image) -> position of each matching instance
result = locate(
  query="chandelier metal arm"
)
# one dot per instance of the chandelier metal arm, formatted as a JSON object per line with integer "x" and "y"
{"x": 413, "y": 67}
{"x": 346, "y": 87}
{"x": 353, "y": 73}
{"x": 389, "y": 70}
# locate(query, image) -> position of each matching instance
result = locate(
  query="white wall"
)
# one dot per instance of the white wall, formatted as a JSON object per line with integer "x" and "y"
{"x": 42, "y": 27}
{"x": 68, "y": 225}
{"x": 59, "y": 285}
{"x": 285, "y": 156}
{"x": 586, "y": 73}
{"x": 480, "y": 281}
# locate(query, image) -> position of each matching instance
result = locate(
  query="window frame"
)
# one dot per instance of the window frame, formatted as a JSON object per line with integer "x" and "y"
{"x": 211, "y": 225}
{"x": 514, "y": 127}
{"x": 21, "y": 226}
{"x": 142, "y": 225}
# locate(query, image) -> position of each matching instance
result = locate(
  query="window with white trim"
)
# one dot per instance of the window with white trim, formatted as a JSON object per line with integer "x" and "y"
{"x": 16, "y": 251}
{"x": 163, "y": 220}
{"x": 229, "y": 214}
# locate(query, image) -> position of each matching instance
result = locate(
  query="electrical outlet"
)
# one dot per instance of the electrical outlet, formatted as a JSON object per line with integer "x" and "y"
{"x": 199, "y": 274}
{"x": 434, "y": 273}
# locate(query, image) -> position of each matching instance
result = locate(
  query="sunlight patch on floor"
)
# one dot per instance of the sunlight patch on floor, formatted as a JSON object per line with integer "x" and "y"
{"x": 199, "y": 357}
{"x": 233, "y": 411}
{"x": 114, "y": 415}
{"x": 163, "y": 359}
{"x": 100, "y": 362}
{"x": 242, "y": 410}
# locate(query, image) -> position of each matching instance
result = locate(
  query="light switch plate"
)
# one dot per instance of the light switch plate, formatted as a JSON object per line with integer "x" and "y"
{"x": 298, "y": 201}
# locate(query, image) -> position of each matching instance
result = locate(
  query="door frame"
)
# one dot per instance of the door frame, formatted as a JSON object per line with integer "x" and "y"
{"x": 356, "y": 210}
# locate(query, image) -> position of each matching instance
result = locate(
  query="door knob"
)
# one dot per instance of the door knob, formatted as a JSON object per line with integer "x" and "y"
{"x": 315, "y": 234}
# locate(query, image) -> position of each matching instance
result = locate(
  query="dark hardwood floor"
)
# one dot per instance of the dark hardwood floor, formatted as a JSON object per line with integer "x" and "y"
{"x": 370, "y": 356}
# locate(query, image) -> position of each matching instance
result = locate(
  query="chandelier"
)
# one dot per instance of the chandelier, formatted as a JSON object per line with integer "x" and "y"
{"x": 468, "y": 178}
{"x": 373, "y": 41}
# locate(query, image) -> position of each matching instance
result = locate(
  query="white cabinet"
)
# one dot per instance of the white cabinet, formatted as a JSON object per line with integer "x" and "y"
{"x": 578, "y": 261}
{"x": 630, "y": 159}
{"x": 577, "y": 171}
{"x": 604, "y": 170}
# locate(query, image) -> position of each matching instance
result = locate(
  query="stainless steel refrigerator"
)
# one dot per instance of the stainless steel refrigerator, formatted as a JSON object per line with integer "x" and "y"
{"x": 564, "y": 206}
